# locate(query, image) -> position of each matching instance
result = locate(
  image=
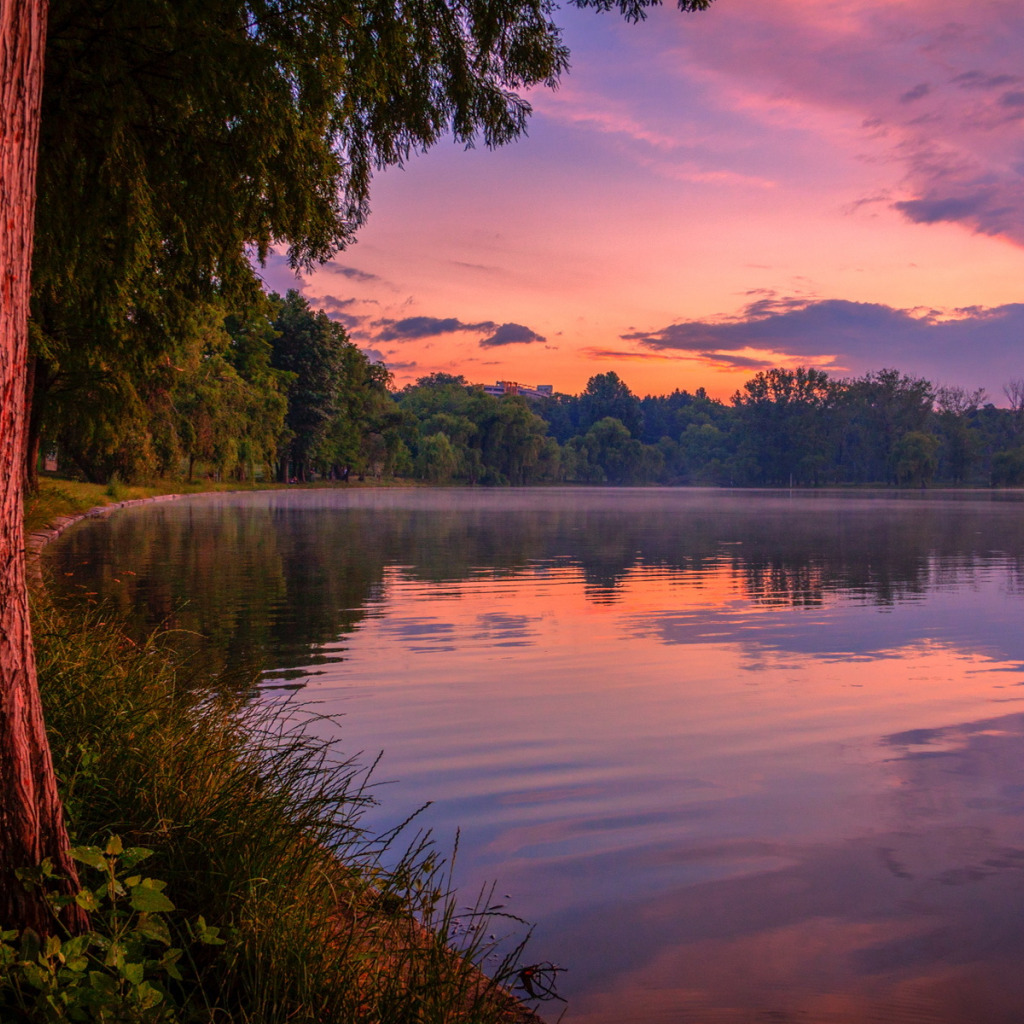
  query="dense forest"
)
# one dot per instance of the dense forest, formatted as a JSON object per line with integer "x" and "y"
{"x": 280, "y": 391}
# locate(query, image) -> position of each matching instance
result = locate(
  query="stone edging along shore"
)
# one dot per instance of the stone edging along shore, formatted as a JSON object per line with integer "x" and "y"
{"x": 516, "y": 1012}
{"x": 38, "y": 539}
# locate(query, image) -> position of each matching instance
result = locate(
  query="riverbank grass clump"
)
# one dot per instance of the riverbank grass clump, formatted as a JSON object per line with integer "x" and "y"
{"x": 225, "y": 862}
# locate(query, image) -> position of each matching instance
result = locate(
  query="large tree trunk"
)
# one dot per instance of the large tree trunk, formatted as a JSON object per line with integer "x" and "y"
{"x": 31, "y": 818}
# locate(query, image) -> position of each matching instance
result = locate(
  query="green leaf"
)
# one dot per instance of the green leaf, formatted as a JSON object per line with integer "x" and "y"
{"x": 207, "y": 935}
{"x": 133, "y": 855}
{"x": 147, "y": 996}
{"x": 100, "y": 981}
{"x": 154, "y": 928}
{"x": 90, "y": 855}
{"x": 149, "y": 900}
{"x": 114, "y": 847}
{"x": 134, "y": 973}
{"x": 36, "y": 976}
{"x": 78, "y": 945}
{"x": 87, "y": 900}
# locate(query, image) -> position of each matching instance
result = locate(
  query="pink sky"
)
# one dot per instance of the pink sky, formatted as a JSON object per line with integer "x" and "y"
{"x": 837, "y": 183}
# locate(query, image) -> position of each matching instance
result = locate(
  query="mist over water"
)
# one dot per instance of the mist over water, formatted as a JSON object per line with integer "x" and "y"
{"x": 741, "y": 756}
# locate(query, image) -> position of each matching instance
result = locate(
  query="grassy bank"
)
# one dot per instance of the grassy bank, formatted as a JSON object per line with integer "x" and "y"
{"x": 59, "y": 497}
{"x": 285, "y": 909}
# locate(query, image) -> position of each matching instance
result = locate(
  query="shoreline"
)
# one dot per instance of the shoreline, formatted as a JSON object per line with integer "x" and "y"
{"x": 512, "y": 1009}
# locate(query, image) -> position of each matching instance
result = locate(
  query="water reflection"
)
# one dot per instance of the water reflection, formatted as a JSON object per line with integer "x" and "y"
{"x": 742, "y": 758}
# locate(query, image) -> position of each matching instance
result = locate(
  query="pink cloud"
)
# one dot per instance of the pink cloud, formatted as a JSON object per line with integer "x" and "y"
{"x": 931, "y": 88}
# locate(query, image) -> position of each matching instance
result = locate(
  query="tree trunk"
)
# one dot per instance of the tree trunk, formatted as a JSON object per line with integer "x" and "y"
{"x": 31, "y": 818}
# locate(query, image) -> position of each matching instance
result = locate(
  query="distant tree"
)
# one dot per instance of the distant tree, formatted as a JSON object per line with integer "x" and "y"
{"x": 876, "y": 411}
{"x": 312, "y": 349}
{"x": 512, "y": 440}
{"x": 785, "y": 419}
{"x": 669, "y": 415}
{"x": 562, "y": 414}
{"x": 437, "y": 459}
{"x": 960, "y": 446}
{"x": 606, "y": 395}
{"x": 916, "y": 458}
{"x": 1014, "y": 391}
{"x": 1008, "y": 468}
{"x": 703, "y": 454}
{"x": 621, "y": 458}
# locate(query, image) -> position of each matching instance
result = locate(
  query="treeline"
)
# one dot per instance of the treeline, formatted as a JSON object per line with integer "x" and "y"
{"x": 279, "y": 391}
{"x": 793, "y": 427}
{"x": 276, "y": 391}
{"x": 782, "y": 428}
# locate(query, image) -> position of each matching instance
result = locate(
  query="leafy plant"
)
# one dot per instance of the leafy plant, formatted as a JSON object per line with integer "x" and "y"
{"x": 122, "y": 970}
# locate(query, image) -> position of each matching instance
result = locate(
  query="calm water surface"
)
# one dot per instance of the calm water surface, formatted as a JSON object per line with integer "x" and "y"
{"x": 741, "y": 756}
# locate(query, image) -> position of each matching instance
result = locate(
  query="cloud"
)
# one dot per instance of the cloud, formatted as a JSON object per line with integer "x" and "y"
{"x": 413, "y": 328}
{"x": 974, "y": 346}
{"x": 351, "y": 273}
{"x": 511, "y": 334}
{"x": 933, "y": 84}
{"x": 374, "y": 355}
{"x": 337, "y": 310}
{"x": 947, "y": 208}
{"x": 418, "y": 328}
{"x": 918, "y": 92}
{"x": 981, "y": 80}
{"x": 633, "y": 355}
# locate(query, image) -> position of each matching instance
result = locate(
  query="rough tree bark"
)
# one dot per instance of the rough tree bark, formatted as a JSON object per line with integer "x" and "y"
{"x": 31, "y": 817}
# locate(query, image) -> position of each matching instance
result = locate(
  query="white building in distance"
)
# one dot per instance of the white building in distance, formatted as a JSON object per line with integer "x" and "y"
{"x": 511, "y": 387}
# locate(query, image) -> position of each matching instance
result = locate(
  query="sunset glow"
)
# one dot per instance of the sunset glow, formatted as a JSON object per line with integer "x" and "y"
{"x": 806, "y": 183}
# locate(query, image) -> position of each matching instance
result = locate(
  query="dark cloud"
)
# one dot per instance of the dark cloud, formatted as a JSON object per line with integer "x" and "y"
{"x": 917, "y": 93}
{"x": 351, "y": 272}
{"x": 981, "y": 80}
{"x": 733, "y": 362}
{"x": 1012, "y": 99}
{"x": 374, "y": 355}
{"x": 511, "y": 334}
{"x": 972, "y": 346}
{"x": 622, "y": 353}
{"x": 337, "y": 308}
{"x": 790, "y": 325}
{"x": 947, "y": 208}
{"x": 335, "y": 305}
{"x": 413, "y": 328}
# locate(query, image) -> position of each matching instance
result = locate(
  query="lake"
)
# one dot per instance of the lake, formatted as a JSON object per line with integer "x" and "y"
{"x": 741, "y": 756}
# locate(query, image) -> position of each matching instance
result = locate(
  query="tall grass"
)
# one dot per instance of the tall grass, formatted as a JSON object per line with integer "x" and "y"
{"x": 256, "y": 824}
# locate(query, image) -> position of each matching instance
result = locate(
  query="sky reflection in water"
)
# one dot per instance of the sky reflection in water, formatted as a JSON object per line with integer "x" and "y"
{"x": 741, "y": 757}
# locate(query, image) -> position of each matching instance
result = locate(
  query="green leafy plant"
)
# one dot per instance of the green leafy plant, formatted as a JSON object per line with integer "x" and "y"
{"x": 124, "y": 969}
